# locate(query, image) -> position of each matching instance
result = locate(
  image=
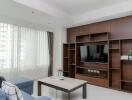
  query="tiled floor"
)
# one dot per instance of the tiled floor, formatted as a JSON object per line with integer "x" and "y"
{"x": 93, "y": 93}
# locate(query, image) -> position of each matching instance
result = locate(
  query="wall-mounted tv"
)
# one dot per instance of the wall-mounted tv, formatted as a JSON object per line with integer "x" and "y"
{"x": 94, "y": 53}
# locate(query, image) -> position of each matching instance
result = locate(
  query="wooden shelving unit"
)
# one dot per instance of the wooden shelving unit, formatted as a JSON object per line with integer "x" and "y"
{"x": 116, "y": 74}
{"x": 126, "y": 66}
{"x": 94, "y": 73}
{"x": 114, "y": 69}
{"x": 69, "y": 60}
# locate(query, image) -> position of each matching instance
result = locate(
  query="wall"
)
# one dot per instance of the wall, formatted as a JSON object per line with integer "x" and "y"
{"x": 119, "y": 28}
{"x": 59, "y": 38}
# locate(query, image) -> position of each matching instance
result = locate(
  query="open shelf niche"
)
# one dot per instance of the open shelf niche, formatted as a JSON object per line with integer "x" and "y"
{"x": 69, "y": 60}
{"x": 114, "y": 64}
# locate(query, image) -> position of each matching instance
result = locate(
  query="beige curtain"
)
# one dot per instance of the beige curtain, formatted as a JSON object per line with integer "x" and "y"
{"x": 50, "y": 44}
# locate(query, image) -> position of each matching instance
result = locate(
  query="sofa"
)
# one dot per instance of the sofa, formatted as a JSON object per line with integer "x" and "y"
{"x": 26, "y": 87}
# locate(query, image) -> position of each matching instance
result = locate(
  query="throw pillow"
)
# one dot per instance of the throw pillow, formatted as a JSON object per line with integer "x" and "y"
{"x": 12, "y": 91}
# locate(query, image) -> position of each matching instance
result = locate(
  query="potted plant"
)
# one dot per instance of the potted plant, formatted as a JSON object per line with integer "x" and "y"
{"x": 130, "y": 55}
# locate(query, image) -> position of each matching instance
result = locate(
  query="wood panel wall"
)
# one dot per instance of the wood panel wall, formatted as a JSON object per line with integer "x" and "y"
{"x": 120, "y": 28}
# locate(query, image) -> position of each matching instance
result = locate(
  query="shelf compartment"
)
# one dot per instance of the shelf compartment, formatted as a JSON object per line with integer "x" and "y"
{"x": 65, "y": 73}
{"x": 114, "y": 58}
{"x": 72, "y": 64}
{"x": 100, "y": 36}
{"x": 72, "y": 46}
{"x": 125, "y": 81}
{"x": 97, "y": 41}
{"x": 83, "y": 38}
{"x": 94, "y": 65}
{"x": 93, "y": 80}
{"x": 71, "y": 49}
{"x": 116, "y": 68}
{"x": 126, "y": 70}
{"x": 65, "y": 64}
{"x": 126, "y": 86}
{"x": 65, "y": 50}
{"x": 126, "y": 46}
{"x": 115, "y": 44}
{"x": 101, "y": 69}
{"x": 114, "y": 48}
{"x": 66, "y": 57}
{"x": 115, "y": 79}
{"x": 72, "y": 71}
{"x": 93, "y": 72}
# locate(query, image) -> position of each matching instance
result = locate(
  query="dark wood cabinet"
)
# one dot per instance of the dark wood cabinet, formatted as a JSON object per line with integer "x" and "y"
{"x": 117, "y": 35}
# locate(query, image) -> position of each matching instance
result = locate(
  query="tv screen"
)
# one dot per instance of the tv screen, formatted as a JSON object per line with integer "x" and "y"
{"x": 94, "y": 53}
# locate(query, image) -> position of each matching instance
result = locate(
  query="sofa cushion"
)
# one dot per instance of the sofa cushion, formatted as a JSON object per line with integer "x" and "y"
{"x": 24, "y": 84}
{"x": 43, "y": 98}
{"x": 12, "y": 91}
{"x": 27, "y": 96}
{"x": 2, "y": 95}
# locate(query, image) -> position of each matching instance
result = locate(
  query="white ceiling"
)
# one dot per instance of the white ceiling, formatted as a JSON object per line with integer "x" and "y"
{"x": 78, "y": 7}
{"x": 66, "y": 13}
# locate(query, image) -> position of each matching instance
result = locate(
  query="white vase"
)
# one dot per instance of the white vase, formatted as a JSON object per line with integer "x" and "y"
{"x": 129, "y": 57}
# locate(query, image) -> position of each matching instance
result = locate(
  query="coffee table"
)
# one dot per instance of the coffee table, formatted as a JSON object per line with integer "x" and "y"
{"x": 67, "y": 85}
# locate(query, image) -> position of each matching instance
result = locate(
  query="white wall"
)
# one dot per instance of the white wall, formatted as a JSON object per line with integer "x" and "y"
{"x": 59, "y": 38}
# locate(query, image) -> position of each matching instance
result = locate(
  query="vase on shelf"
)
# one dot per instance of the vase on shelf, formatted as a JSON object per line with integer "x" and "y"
{"x": 130, "y": 55}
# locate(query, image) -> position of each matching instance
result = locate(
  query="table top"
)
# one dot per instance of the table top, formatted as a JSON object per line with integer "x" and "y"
{"x": 67, "y": 83}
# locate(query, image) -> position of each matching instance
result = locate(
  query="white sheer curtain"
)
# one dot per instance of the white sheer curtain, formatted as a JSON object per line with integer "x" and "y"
{"x": 23, "y": 51}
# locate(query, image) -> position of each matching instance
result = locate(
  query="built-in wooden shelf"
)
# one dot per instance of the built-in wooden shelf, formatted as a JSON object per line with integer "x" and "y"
{"x": 112, "y": 74}
{"x": 115, "y": 68}
{"x": 125, "y": 60}
{"x": 72, "y": 64}
{"x": 69, "y": 59}
{"x": 92, "y": 41}
{"x": 114, "y": 48}
{"x": 93, "y": 76}
{"x": 65, "y": 71}
{"x": 66, "y": 57}
{"x": 72, "y": 49}
{"x": 101, "y": 69}
{"x": 126, "y": 81}
{"x": 94, "y": 63}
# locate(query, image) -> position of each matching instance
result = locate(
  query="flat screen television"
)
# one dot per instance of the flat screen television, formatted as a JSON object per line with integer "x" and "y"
{"x": 94, "y": 53}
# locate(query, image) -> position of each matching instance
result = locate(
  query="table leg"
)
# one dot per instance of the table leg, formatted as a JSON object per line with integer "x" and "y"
{"x": 69, "y": 96}
{"x": 39, "y": 88}
{"x": 85, "y": 91}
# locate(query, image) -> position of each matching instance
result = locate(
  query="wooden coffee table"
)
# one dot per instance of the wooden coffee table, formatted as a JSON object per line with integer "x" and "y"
{"x": 67, "y": 85}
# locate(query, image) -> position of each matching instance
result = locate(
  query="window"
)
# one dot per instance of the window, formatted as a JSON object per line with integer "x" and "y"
{"x": 22, "y": 48}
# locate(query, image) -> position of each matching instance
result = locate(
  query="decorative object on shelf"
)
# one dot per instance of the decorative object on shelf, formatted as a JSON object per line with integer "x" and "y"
{"x": 130, "y": 55}
{"x": 124, "y": 57}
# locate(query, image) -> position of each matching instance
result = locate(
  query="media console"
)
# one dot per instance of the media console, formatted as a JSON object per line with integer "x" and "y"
{"x": 115, "y": 74}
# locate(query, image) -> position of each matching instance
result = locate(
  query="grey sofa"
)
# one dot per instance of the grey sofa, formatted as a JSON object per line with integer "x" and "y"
{"x": 26, "y": 87}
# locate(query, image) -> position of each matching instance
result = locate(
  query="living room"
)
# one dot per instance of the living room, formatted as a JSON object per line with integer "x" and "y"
{"x": 65, "y": 50}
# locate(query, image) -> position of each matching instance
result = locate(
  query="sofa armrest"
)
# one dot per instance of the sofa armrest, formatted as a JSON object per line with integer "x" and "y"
{"x": 24, "y": 84}
{"x": 2, "y": 95}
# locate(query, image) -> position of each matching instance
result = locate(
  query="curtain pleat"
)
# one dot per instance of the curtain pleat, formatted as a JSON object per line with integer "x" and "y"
{"x": 23, "y": 51}
{"x": 50, "y": 45}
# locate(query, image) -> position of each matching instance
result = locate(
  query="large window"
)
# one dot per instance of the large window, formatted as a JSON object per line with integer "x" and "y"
{"x": 22, "y": 48}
